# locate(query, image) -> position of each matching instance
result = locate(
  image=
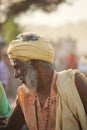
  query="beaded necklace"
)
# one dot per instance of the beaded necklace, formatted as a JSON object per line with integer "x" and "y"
{"x": 47, "y": 114}
{"x": 47, "y": 110}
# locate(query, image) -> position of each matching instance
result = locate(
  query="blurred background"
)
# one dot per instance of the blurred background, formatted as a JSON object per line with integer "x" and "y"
{"x": 64, "y": 22}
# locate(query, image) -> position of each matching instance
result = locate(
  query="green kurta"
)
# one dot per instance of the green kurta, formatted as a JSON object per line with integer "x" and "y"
{"x": 5, "y": 109}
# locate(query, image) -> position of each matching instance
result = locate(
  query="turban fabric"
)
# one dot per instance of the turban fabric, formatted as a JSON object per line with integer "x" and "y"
{"x": 40, "y": 49}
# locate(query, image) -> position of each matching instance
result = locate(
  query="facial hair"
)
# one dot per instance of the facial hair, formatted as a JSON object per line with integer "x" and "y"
{"x": 31, "y": 79}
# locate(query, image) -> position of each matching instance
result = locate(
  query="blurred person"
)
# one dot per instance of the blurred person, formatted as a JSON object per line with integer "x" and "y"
{"x": 82, "y": 64}
{"x": 46, "y": 100}
{"x": 5, "y": 108}
{"x": 4, "y": 71}
{"x": 71, "y": 61}
{"x": 5, "y": 56}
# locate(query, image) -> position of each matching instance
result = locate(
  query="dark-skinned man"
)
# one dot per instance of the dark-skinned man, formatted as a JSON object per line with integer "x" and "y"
{"x": 46, "y": 100}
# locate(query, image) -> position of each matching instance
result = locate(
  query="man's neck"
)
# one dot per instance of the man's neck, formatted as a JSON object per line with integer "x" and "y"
{"x": 44, "y": 86}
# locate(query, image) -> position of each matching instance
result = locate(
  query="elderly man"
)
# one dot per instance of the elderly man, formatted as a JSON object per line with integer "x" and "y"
{"x": 46, "y": 100}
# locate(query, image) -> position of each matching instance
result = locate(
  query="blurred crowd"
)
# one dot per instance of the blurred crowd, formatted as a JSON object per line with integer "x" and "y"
{"x": 67, "y": 58}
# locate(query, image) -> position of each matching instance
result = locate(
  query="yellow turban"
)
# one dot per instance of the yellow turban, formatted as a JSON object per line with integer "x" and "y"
{"x": 40, "y": 49}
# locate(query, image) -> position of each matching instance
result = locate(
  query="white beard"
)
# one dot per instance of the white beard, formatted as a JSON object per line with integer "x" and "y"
{"x": 31, "y": 79}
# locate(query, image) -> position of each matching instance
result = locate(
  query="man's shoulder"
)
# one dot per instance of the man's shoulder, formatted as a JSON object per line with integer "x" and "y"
{"x": 67, "y": 73}
{"x": 22, "y": 94}
{"x": 23, "y": 89}
{"x": 66, "y": 77}
{"x": 66, "y": 83}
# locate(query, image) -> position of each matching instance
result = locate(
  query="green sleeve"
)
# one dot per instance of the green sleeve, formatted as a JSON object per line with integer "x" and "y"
{"x": 5, "y": 109}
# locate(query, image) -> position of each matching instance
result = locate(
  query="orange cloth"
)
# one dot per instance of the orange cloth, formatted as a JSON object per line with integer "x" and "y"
{"x": 28, "y": 101}
{"x": 69, "y": 111}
